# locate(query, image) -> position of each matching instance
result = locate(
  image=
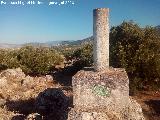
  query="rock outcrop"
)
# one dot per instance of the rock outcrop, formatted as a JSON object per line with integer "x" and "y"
{"x": 42, "y": 99}
{"x": 135, "y": 110}
{"x": 18, "y": 94}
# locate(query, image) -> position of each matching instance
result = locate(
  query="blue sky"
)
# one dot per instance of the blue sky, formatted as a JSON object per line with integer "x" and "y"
{"x": 41, "y": 23}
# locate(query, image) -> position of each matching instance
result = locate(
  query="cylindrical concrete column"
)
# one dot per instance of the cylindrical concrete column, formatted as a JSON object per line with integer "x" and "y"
{"x": 101, "y": 38}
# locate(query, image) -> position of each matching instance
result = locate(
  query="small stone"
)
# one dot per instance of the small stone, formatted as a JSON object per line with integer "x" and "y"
{"x": 34, "y": 116}
{"x": 49, "y": 78}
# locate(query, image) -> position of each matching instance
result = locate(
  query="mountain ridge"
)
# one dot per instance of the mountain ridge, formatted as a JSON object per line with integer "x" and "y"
{"x": 48, "y": 43}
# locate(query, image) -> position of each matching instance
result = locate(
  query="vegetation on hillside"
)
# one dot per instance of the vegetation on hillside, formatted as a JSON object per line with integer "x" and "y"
{"x": 131, "y": 47}
{"x": 31, "y": 60}
{"x": 138, "y": 51}
{"x": 82, "y": 56}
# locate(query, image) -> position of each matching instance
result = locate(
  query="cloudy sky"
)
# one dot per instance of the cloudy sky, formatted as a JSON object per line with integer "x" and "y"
{"x": 44, "y": 22}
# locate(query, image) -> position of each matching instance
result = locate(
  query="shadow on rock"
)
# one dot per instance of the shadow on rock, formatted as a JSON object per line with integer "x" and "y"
{"x": 64, "y": 77}
{"x": 18, "y": 117}
{"x": 24, "y": 107}
{"x": 154, "y": 105}
{"x": 51, "y": 104}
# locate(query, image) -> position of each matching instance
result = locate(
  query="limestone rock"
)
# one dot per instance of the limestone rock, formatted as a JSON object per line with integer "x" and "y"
{"x": 27, "y": 82}
{"x": 3, "y": 82}
{"x": 135, "y": 110}
{"x": 16, "y": 74}
{"x": 49, "y": 78}
{"x": 15, "y": 85}
{"x": 31, "y": 82}
{"x": 2, "y": 102}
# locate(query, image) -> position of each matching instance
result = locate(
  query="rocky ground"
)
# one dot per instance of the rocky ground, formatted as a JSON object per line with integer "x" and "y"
{"x": 24, "y": 97}
{"x": 150, "y": 103}
{"x": 49, "y": 97}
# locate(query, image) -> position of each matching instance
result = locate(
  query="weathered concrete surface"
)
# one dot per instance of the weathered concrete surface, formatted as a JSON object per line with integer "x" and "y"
{"x": 109, "y": 89}
{"x": 87, "y": 115}
{"x": 134, "y": 113}
{"x": 103, "y": 96}
{"x": 101, "y": 38}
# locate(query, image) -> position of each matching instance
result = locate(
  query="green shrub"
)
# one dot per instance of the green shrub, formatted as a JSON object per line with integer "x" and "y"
{"x": 138, "y": 51}
{"x": 8, "y": 59}
{"x": 31, "y": 60}
{"x": 84, "y": 56}
{"x": 38, "y": 60}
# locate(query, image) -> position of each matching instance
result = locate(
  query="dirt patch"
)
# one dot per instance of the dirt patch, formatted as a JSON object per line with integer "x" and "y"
{"x": 150, "y": 103}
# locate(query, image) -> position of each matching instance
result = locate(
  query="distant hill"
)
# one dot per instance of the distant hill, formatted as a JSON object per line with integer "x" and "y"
{"x": 78, "y": 42}
{"x": 50, "y": 43}
{"x": 158, "y": 28}
{"x": 7, "y": 46}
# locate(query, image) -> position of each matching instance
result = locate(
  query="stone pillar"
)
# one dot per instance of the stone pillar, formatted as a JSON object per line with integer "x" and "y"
{"x": 101, "y": 38}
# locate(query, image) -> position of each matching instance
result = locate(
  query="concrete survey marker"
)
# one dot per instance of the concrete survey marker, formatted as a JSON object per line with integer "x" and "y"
{"x": 101, "y": 93}
{"x": 101, "y": 38}
{"x": 101, "y": 87}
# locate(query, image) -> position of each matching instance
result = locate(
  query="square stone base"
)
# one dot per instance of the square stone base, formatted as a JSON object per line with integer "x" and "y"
{"x": 107, "y": 90}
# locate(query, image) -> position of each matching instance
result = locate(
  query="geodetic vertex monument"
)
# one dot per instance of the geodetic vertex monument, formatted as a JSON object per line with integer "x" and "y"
{"x": 102, "y": 93}
{"x": 101, "y": 38}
